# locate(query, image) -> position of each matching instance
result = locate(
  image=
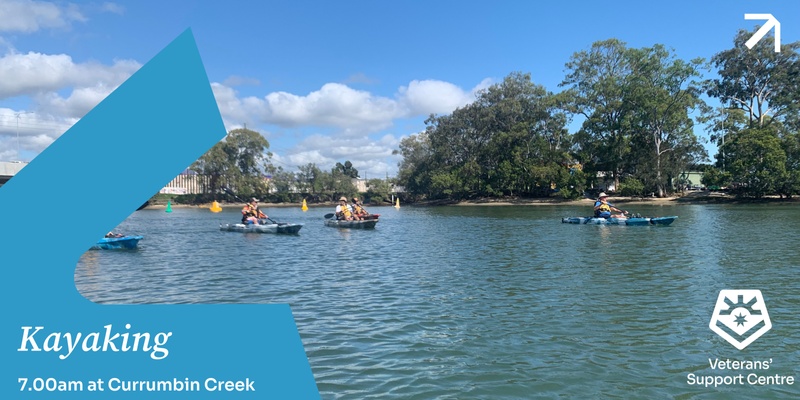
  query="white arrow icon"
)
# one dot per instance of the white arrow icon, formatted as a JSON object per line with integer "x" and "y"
{"x": 771, "y": 22}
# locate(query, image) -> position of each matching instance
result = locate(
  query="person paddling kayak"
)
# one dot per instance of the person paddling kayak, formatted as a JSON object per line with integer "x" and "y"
{"x": 603, "y": 209}
{"x": 251, "y": 213}
{"x": 343, "y": 210}
{"x": 358, "y": 209}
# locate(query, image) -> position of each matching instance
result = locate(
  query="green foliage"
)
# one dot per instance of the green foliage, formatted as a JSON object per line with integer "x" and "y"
{"x": 631, "y": 187}
{"x": 597, "y": 81}
{"x": 319, "y": 185}
{"x": 663, "y": 95}
{"x": 716, "y": 178}
{"x": 377, "y": 191}
{"x": 756, "y": 161}
{"x": 511, "y": 141}
{"x": 790, "y": 143}
{"x": 759, "y": 81}
{"x": 236, "y": 162}
{"x": 200, "y": 198}
{"x": 790, "y": 184}
{"x": 757, "y": 130}
{"x": 636, "y": 104}
{"x": 637, "y": 107}
{"x": 417, "y": 164}
{"x": 161, "y": 198}
{"x": 574, "y": 185}
{"x": 346, "y": 169}
{"x": 283, "y": 181}
{"x": 341, "y": 184}
{"x": 283, "y": 197}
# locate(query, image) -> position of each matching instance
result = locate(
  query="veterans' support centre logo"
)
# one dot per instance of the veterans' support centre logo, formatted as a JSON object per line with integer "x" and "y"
{"x": 740, "y": 317}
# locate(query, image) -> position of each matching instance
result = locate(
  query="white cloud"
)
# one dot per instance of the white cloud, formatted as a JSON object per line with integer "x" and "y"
{"x": 5, "y": 151}
{"x": 230, "y": 106}
{"x": 29, "y": 131}
{"x": 433, "y": 97}
{"x": 61, "y": 91}
{"x": 353, "y": 112}
{"x": 365, "y": 154}
{"x": 79, "y": 102}
{"x": 35, "y": 72}
{"x": 30, "y": 16}
{"x": 308, "y": 157}
{"x": 40, "y": 141}
{"x": 334, "y": 104}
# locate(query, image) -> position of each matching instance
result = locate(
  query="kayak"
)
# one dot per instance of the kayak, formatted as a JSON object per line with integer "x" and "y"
{"x": 636, "y": 221}
{"x": 368, "y": 222}
{"x": 262, "y": 228}
{"x": 123, "y": 242}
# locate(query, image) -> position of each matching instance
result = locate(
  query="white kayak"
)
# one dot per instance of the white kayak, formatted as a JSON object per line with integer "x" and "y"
{"x": 262, "y": 228}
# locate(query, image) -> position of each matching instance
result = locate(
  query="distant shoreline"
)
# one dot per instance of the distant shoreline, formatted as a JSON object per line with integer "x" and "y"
{"x": 691, "y": 198}
{"x": 240, "y": 205}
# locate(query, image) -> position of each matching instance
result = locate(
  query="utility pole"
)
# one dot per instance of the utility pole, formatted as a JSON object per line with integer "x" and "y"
{"x": 17, "y": 115}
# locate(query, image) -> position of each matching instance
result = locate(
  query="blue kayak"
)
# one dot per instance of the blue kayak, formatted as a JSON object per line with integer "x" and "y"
{"x": 112, "y": 243}
{"x": 637, "y": 221}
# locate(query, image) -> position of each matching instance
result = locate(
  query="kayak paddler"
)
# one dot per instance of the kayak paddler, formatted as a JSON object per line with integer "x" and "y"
{"x": 251, "y": 214}
{"x": 603, "y": 209}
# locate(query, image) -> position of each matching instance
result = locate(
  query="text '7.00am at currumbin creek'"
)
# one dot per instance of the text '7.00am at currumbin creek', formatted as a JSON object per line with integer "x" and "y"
{"x": 122, "y": 385}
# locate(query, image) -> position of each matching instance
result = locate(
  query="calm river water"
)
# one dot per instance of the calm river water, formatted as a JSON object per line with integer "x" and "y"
{"x": 486, "y": 302}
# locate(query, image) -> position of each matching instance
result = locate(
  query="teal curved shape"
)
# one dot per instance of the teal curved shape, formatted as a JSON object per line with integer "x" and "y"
{"x": 156, "y": 123}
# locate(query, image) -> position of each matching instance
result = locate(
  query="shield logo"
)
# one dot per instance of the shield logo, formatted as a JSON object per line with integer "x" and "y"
{"x": 740, "y": 317}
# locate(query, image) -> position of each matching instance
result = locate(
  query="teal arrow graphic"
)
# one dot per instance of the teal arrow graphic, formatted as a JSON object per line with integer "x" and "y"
{"x": 141, "y": 136}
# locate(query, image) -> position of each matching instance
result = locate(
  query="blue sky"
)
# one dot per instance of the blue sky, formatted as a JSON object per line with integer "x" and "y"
{"x": 326, "y": 81}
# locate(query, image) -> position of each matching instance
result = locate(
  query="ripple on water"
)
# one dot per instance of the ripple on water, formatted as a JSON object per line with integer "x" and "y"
{"x": 482, "y": 302}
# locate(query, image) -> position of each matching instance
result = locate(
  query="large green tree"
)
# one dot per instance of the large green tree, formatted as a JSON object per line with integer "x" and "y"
{"x": 238, "y": 161}
{"x": 346, "y": 169}
{"x": 323, "y": 185}
{"x": 635, "y": 105}
{"x": 597, "y": 83}
{"x": 511, "y": 141}
{"x": 759, "y": 81}
{"x": 662, "y": 93}
{"x": 759, "y": 90}
{"x": 311, "y": 179}
{"x": 416, "y": 166}
{"x": 757, "y": 163}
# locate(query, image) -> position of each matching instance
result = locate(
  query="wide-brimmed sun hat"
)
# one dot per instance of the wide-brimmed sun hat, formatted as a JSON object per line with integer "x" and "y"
{"x": 602, "y": 194}
{"x": 343, "y": 198}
